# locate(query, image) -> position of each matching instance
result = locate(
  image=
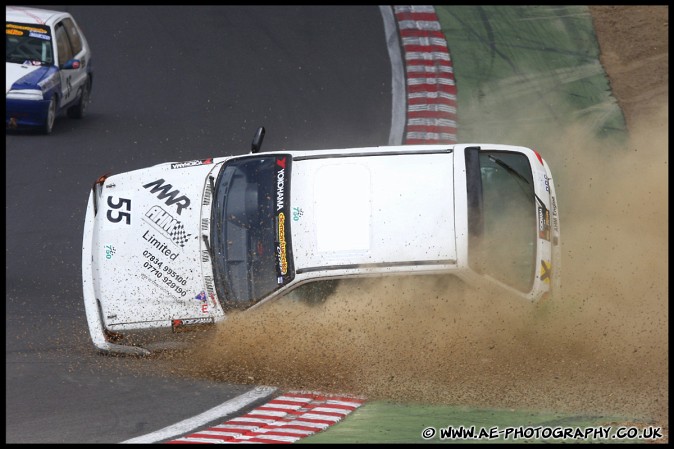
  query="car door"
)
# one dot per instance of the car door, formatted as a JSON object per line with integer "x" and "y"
{"x": 70, "y": 45}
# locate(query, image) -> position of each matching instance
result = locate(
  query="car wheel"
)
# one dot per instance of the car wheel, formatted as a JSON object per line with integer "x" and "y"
{"x": 51, "y": 116}
{"x": 77, "y": 111}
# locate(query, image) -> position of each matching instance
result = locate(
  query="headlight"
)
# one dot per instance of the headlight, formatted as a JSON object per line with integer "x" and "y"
{"x": 25, "y": 94}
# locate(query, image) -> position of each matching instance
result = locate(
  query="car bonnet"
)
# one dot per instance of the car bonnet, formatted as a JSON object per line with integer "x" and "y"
{"x": 147, "y": 257}
{"x": 377, "y": 211}
{"x": 25, "y": 76}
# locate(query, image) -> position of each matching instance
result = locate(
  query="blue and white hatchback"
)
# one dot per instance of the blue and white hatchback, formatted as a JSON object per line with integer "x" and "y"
{"x": 48, "y": 68}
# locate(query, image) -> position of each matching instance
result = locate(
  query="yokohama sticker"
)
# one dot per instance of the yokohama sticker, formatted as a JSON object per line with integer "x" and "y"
{"x": 283, "y": 251}
{"x": 193, "y": 163}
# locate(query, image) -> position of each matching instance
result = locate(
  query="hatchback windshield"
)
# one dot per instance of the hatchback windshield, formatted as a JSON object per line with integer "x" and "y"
{"x": 250, "y": 234}
{"x": 508, "y": 244}
{"x": 28, "y": 44}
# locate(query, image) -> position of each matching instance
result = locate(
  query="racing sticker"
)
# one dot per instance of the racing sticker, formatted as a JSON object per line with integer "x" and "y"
{"x": 169, "y": 226}
{"x": 194, "y": 163}
{"x": 297, "y": 213}
{"x": 543, "y": 223}
{"x": 162, "y": 275}
{"x": 39, "y": 35}
{"x": 555, "y": 217}
{"x": 283, "y": 251}
{"x": 119, "y": 210}
{"x": 179, "y": 324}
{"x": 163, "y": 190}
{"x": 109, "y": 251}
{"x": 162, "y": 247}
{"x": 203, "y": 299}
{"x": 34, "y": 31}
{"x": 546, "y": 271}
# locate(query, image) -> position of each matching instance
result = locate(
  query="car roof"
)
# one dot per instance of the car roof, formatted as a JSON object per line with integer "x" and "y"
{"x": 33, "y": 16}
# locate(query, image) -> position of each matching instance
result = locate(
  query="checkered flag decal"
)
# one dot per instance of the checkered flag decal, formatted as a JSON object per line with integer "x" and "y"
{"x": 178, "y": 234}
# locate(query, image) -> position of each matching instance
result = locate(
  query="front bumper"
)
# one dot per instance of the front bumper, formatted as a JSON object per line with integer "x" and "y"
{"x": 26, "y": 112}
{"x": 93, "y": 311}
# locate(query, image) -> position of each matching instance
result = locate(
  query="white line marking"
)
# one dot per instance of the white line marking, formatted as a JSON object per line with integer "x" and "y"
{"x": 217, "y": 412}
{"x": 397, "y": 77}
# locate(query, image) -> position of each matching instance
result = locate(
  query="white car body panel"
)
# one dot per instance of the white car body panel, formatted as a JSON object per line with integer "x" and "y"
{"x": 146, "y": 248}
{"x": 14, "y": 72}
{"x": 352, "y": 212}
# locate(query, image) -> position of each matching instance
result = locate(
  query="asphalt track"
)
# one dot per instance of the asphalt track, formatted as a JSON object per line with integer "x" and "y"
{"x": 230, "y": 69}
{"x": 171, "y": 83}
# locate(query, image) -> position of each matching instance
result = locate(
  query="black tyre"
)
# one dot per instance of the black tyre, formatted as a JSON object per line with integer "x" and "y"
{"x": 51, "y": 116}
{"x": 77, "y": 111}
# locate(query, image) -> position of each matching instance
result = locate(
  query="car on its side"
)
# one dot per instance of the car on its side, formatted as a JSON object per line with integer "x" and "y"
{"x": 185, "y": 243}
{"x": 47, "y": 68}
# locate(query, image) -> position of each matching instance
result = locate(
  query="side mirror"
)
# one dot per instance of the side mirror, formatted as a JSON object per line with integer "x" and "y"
{"x": 72, "y": 64}
{"x": 257, "y": 140}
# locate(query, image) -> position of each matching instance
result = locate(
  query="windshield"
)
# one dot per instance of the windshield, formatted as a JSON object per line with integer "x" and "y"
{"x": 506, "y": 250}
{"x": 250, "y": 234}
{"x": 28, "y": 44}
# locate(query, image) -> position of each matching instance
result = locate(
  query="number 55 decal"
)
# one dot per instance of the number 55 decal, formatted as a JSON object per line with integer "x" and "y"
{"x": 116, "y": 216}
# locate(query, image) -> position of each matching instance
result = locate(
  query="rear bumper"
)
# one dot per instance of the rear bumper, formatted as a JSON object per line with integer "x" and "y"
{"x": 91, "y": 305}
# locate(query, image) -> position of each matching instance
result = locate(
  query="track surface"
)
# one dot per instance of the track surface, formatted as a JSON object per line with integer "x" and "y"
{"x": 171, "y": 83}
{"x": 59, "y": 391}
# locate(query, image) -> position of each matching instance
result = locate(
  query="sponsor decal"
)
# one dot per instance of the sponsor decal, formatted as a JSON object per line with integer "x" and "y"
{"x": 201, "y": 296}
{"x": 207, "y": 194}
{"x": 152, "y": 280}
{"x": 164, "y": 191}
{"x": 555, "y": 219}
{"x": 283, "y": 254}
{"x": 193, "y": 163}
{"x": 118, "y": 215}
{"x": 210, "y": 288}
{"x": 280, "y": 183}
{"x": 15, "y": 26}
{"x": 109, "y": 251}
{"x": 543, "y": 223}
{"x": 39, "y": 35}
{"x": 282, "y": 247}
{"x": 546, "y": 180}
{"x": 297, "y": 213}
{"x": 165, "y": 223}
{"x": 161, "y": 247}
{"x": 177, "y": 324}
{"x": 546, "y": 271}
{"x": 14, "y": 32}
{"x": 156, "y": 267}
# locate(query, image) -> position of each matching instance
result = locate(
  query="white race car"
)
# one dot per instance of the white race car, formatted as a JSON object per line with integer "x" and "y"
{"x": 183, "y": 243}
{"x": 48, "y": 67}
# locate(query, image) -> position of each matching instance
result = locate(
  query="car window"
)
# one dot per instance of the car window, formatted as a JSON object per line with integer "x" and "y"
{"x": 30, "y": 44}
{"x": 65, "y": 51}
{"x": 508, "y": 245}
{"x": 73, "y": 35}
{"x": 250, "y": 234}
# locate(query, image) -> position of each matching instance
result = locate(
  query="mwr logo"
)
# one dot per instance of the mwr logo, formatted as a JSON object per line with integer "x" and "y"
{"x": 165, "y": 191}
{"x": 192, "y": 163}
{"x": 168, "y": 225}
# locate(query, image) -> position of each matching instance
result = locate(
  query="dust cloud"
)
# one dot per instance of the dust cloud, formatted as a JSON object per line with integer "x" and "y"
{"x": 601, "y": 348}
